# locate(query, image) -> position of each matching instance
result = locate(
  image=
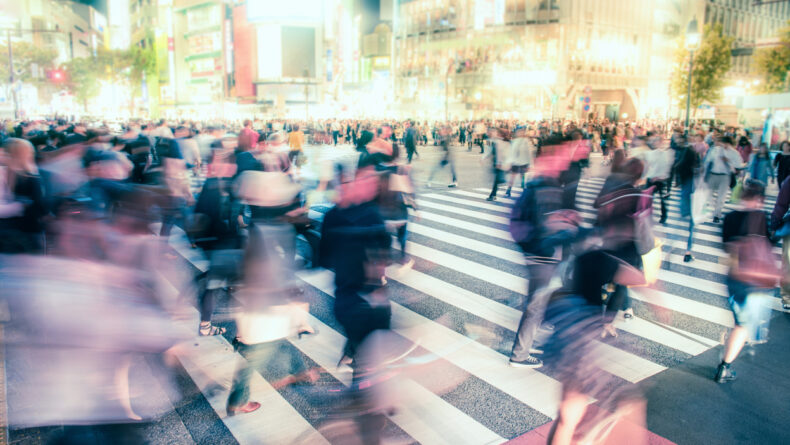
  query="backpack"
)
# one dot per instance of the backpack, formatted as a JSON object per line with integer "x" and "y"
{"x": 522, "y": 217}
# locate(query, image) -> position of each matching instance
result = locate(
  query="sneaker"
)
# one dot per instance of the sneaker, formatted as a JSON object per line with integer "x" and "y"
{"x": 491, "y": 198}
{"x": 453, "y": 184}
{"x": 687, "y": 258}
{"x": 536, "y": 351}
{"x": 724, "y": 374}
{"x": 716, "y": 220}
{"x": 529, "y": 362}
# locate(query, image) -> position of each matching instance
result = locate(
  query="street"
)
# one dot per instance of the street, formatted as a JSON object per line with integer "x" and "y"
{"x": 460, "y": 304}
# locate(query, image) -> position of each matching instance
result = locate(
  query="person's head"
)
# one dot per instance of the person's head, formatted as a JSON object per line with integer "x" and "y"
{"x": 296, "y": 127}
{"x": 753, "y": 193}
{"x": 726, "y": 141}
{"x": 633, "y": 169}
{"x": 763, "y": 149}
{"x": 785, "y": 147}
{"x": 743, "y": 141}
{"x": 19, "y": 155}
{"x": 247, "y": 123}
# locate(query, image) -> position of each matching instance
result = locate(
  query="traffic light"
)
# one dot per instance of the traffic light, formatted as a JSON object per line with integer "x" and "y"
{"x": 56, "y": 75}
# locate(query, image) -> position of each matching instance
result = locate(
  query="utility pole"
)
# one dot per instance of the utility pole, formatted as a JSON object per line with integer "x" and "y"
{"x": 306, "y": 96}
{"x": 11, "y": 74}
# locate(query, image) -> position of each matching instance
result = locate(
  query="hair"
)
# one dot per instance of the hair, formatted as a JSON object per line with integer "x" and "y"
{"x": 726, "y": 140}
{"x": 752, "y": 189}
{"x": 634, "y": 168}
{"x": 22, "y": 155}
{"x": 247, "y": 122}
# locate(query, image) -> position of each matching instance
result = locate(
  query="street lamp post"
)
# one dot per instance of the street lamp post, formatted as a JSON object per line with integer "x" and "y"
{"x": 692, "y": 41}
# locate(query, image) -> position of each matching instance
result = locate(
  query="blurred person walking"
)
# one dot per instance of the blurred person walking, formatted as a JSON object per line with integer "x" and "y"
{"x": 499, "y": 153}
{"x": 539, "y": 227}
{"x": 759, "y": 165}
{"x": 753, "y": 271}
{"x": 686, "y": 173}
{"x": 521, "y": 154}
{"x": 721, "y": 162}
{"x": 410, "y": 140}
{"x": 447, "y": 159}
{"x": 782, "y": 163}
{"x": 22, "y": 204}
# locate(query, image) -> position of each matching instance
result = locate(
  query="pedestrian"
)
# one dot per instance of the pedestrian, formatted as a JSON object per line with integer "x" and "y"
{"x": 721, "y": 162}
{"x": 658, "y": 162}
{"x": 618, "y": 202}
{"x": 355, "y": 244}
{"x": 780, "y": 223}
{"x": 686, "y": 170}
{"x": 447, "y": 159}
{"x": 499, "y": 153}
{"x": 753, "y": 270}
{"x": 535, "y": 225}
{"x": 782, "y": 163}
{"x": 521, "y": 154}
{"x": 22, "y": 203}
{"x": 760, "y": 165}
{"x": 411, "y": 137}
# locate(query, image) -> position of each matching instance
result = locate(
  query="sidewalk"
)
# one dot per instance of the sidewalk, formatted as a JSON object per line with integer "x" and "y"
{"x": 686, "y": 406}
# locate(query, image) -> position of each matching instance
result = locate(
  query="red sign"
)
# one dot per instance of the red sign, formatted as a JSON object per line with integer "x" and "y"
{"x": 170, "y": 46}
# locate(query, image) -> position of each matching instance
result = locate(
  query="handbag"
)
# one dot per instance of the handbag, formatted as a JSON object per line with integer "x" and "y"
{"x": 753, "y": 260}
{"x": 651, "y": 263}
{"x": 735, "y": 195}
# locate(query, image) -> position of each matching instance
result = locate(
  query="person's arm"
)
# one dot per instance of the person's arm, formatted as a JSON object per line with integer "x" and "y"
{"x": 781, "y": 206}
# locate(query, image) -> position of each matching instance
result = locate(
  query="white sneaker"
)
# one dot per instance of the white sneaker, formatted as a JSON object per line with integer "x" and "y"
{"x": 453, "y": 184}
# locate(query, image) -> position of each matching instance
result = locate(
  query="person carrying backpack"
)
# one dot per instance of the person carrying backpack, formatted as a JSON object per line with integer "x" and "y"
{"x": 539, "y": 226}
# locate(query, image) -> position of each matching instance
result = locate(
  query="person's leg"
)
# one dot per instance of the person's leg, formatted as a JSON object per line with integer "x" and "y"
{"x": 401, "y": 235}
{"x": 572, "y": 409}
{"x": 785, "y": 283}
{"x": 663, "y": 190}
{"x": 495, "y": 187}
{"x": 451, "y": 161}
{"x": 720, "y": 184}
{"x": 539, "y": 276}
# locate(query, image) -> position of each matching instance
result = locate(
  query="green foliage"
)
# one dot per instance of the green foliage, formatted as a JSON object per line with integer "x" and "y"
{"x": 116, "y": 66}
{"x": 773, "y": 64}
{"x": 25, "y": 55}
{"x": 712, "y": 60}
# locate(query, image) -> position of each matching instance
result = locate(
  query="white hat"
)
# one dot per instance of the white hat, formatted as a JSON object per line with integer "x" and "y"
{"x": 267, "y": 189}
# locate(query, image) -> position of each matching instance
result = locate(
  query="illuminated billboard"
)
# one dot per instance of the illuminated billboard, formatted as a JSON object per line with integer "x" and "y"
{"x": 278, "y": 11}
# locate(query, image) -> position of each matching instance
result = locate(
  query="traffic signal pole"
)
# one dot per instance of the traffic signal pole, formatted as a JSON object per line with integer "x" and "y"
{"x": 11, "y": 74}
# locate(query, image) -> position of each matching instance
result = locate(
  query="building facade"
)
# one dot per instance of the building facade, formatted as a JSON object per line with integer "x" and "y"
{"x": 534, "y": 58}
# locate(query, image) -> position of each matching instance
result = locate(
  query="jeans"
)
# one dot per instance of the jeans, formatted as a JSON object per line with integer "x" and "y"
{"x": 719, "y": 184}
{"x": 539, "y": 277}
{"x": 268, "y": 355}
{"x": 686, "y": 192}
{"x": 785, "y": 282}
{"x": 662, "y": 187}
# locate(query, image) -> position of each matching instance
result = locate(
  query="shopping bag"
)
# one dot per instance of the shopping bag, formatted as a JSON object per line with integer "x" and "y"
{"x": 266, "y": 325}
{"x": 735, "y": 195}
{"x": 651, "y": 263}
{"x": 699, "y": 201}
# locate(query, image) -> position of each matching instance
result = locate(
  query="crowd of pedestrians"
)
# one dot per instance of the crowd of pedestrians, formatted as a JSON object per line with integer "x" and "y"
{"x": 80, "y": 193}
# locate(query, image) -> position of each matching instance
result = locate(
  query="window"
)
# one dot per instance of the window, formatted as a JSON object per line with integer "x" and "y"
{"x": 78, "y": 28}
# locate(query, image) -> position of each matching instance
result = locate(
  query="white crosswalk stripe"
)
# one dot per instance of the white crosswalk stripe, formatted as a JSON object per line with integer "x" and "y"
{"x": 466, "y": 263}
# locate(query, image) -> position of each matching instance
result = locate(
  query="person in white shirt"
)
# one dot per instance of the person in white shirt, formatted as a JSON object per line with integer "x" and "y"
{"x": 521, "y": 152}
{"x": 721, "y": 161}
{"x": 162, "y": 131}
{"x": 658, "y": 161}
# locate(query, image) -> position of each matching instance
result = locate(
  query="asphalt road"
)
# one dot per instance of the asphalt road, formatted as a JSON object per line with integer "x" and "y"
{"x": 460, "y": 305}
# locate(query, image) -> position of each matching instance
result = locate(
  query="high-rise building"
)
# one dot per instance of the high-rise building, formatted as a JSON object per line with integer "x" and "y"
{"x": 534, "y": 58}
{"x": 752, "y": 23}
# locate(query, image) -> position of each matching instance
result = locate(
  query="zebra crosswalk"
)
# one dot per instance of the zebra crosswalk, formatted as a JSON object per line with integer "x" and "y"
{"x": 461, "y": 303}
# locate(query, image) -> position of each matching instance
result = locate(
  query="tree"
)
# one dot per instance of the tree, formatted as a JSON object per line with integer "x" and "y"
{"x": 712, "y": 60}
{"x": 25, "y": 56}
{"x": 773, "y": 64}
{"x": 83, "y": 76}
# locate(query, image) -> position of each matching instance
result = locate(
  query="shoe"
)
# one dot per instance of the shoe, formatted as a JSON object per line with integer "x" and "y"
{"x": 453, "y": 184}
{"x": 724, "y": 374}
{"x": 687, "y": 258}
{"x": 786, "y": 306}
{"x": 662, "y": 221}
{"x": 507, "y": 193}
{"x": 536, "y": 351}
{"x": 430, "y": 184}
{"x": 529, "y": 362}
{"x": 491, "y": 198}
{"x": 716, "y": 220}
{"x": 628, "y": 314}
{"x": 247, "y": 408}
